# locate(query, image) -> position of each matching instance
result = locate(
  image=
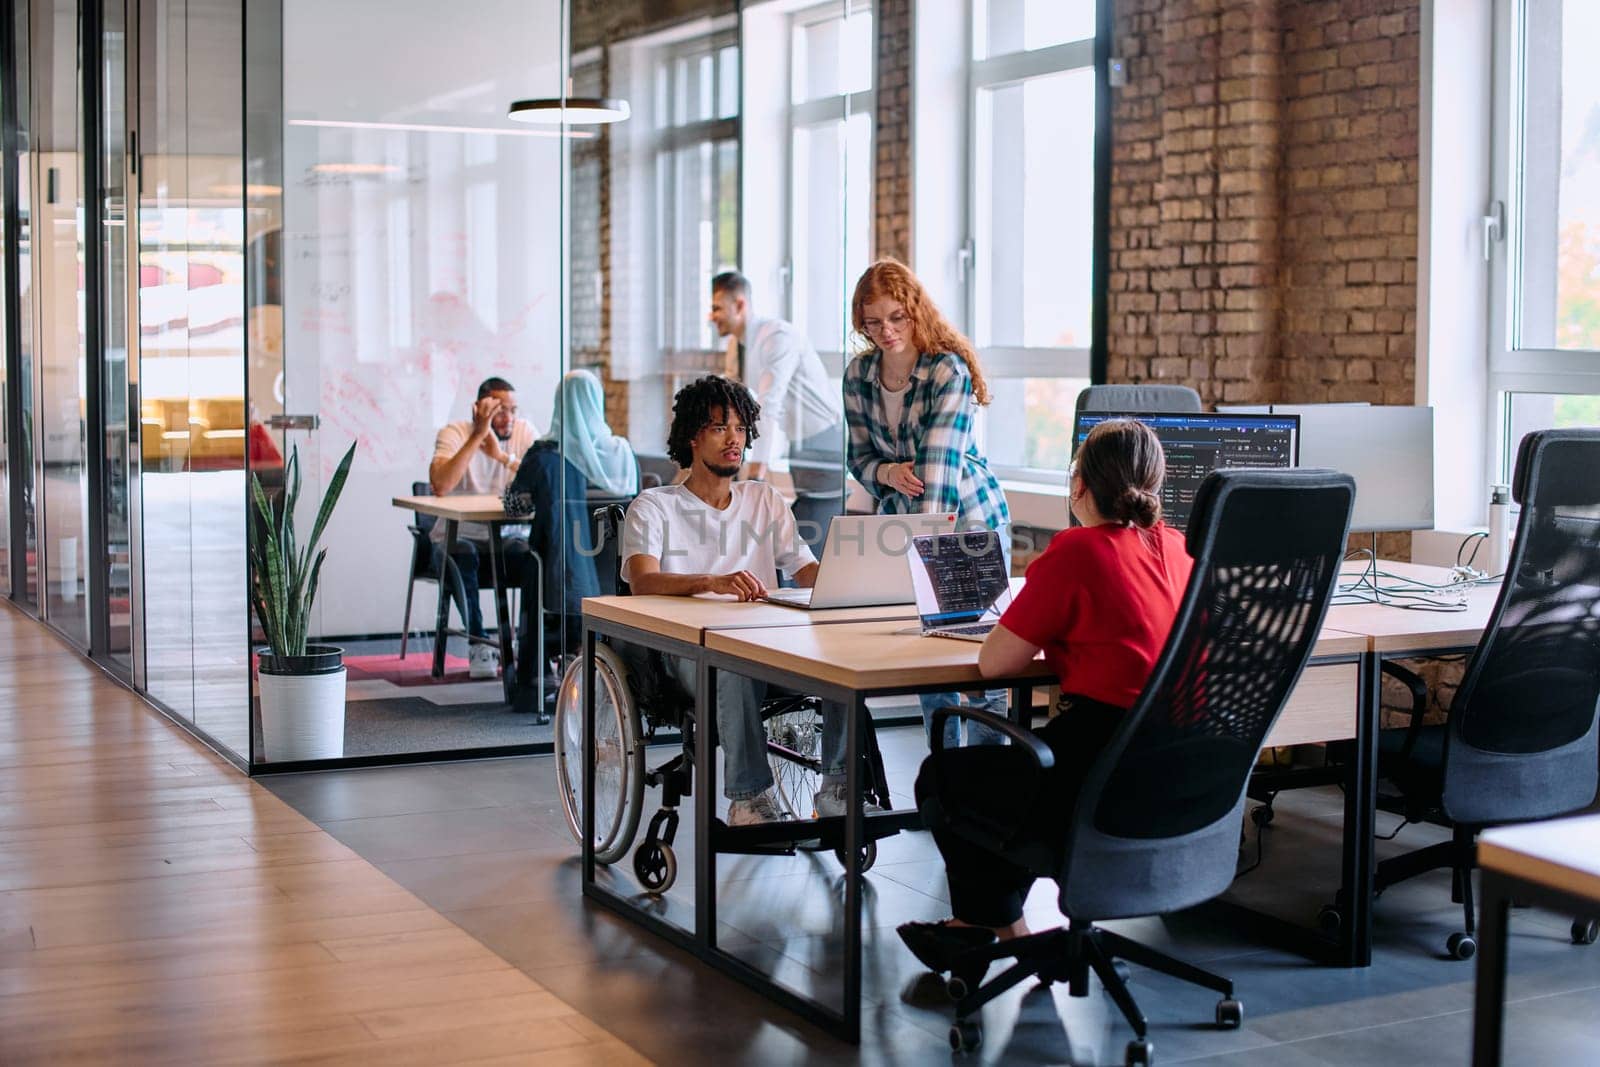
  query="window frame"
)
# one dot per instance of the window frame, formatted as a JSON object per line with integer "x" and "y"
{"x": 1512, "y": 367}
{"x": 1013, "y": 68}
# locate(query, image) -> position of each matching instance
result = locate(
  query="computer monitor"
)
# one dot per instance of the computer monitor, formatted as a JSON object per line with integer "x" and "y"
{"x": 1386, "y": 448}
{"x": 1197, "y": 444}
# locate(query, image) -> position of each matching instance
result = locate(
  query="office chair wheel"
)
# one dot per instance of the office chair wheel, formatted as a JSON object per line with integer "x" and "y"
{"x": 869, "y": 855}
{"x": 965, "y": 1035}
{"x": 656, "y": 867}
{"x": 1585, "y": 931}
{"x": 619, "y": 760}
{"x": 798, "y": 732}
{"x": 1261, "y": 815}
{"x": 1124, "y": 972}
{"x": 1461, "y": 946}
{"x": 1329, "y": 919}
{"x": 1230, "y": 1014}
{"x": 1140, "y": 1053}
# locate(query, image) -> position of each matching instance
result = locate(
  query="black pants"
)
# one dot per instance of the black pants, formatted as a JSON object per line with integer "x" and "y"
{"x": 994, "y": 782}
{"x": 520, "y": 571}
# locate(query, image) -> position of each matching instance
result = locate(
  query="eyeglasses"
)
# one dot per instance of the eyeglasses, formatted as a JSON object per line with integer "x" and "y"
{"x": 874, "y": 326}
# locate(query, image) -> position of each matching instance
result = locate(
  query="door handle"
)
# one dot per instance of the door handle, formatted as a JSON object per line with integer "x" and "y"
{"x": 294, "y": 422}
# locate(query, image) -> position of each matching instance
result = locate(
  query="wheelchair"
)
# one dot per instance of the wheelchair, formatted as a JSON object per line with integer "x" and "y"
{"x": 637, "y": 697}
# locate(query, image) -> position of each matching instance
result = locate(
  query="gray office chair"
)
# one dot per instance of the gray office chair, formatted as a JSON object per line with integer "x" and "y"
{"x": 1156, "y": 824}
{"x": 1522, "y": 741}
{"x": 1177, "y": 398}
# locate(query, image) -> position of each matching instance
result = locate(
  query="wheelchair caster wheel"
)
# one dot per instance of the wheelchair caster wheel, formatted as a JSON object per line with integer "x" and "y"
{"x": 656, "y": 867}
{"x": 1329, "y": 919}
{"x": 1124, "y": 972}
{"x": 869, "y": 856}
{"x": 965, "y": 1035}
{"x": 1461, "y": 946}
{"x": 1139, "y": 1054}
{"x": 1585, "y": 932}
{"x": 1230, "y": 1014}
{"x": 1261, "y": 816}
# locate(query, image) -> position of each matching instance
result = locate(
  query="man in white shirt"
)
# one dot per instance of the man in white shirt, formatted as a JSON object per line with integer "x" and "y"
{"x": 712, "y": 535}
{"x": 787, "y": 377}
{"x": 479, "y": 455}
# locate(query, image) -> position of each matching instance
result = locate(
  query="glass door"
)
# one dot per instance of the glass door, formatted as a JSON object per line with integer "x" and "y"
{"x": 118, "y": 462}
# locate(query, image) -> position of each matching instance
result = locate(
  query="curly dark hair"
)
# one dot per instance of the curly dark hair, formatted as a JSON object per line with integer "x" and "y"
{"x": 691, "y": 413}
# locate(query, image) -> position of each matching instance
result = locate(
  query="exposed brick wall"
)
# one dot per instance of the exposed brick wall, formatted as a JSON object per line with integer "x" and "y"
{"x": 1350, "y": 203}
{"x": 1263, "y": 221}
{"x": 891, "y": 224}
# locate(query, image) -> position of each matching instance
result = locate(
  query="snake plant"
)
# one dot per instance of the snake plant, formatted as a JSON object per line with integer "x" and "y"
{"x": 283, "y": 582}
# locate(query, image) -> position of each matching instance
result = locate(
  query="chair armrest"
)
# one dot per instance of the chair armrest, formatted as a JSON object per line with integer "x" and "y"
{"x": 1419, "y": 703}
{"x": 1021, "y": 735}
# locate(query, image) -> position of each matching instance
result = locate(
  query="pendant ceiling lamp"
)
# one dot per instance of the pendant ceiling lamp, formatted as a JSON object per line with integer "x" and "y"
{"x": 571, "y": 111}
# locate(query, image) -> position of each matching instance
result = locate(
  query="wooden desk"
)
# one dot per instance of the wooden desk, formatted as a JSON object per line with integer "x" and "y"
{"x": 1555, "y": 864}
{"x": 688, "y": 618}
{"x": 485, "y": 508}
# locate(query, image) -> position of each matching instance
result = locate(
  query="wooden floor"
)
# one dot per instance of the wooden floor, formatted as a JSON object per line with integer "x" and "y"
{"x": 158, "y": 906}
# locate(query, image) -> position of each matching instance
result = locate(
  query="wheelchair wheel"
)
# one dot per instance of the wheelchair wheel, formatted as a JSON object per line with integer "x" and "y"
{"x": 619, "y": 755}
{"x": 798, "y": 732}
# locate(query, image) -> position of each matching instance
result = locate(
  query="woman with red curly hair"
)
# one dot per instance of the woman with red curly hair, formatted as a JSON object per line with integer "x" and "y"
{"x": 910, "y": 397}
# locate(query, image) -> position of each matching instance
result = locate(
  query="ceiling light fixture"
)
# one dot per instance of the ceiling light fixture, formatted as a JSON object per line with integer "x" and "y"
{"x": 569, "y": 111}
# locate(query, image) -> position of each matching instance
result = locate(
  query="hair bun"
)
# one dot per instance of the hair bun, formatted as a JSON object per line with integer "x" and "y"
{"x": 1139, "y": 506}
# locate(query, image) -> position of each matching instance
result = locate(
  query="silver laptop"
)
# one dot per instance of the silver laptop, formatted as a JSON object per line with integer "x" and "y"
{"x": 961, "y": 583}
{"x": 860, "y": 564}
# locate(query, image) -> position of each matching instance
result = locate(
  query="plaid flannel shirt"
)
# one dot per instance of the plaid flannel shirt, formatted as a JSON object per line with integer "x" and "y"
{"x": 935, "y": 434}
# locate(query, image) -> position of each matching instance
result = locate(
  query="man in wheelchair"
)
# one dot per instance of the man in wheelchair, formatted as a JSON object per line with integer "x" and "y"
{"x": 710, "y": 534}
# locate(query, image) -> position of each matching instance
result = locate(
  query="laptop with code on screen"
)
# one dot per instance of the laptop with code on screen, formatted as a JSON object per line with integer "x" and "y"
{"x": 961, "y": 583}
{"x": 1198, "y": 443}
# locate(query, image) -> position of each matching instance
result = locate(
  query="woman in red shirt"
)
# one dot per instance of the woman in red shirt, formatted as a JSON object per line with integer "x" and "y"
{"x": 1099, "y": 602}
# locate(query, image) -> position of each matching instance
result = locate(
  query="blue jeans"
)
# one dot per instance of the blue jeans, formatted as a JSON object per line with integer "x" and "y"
{"x": 993, "y": 700}
{"x": 745, "y": 770}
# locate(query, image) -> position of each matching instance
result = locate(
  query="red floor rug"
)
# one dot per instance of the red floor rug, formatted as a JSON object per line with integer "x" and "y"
{"x": 413, "y": 670}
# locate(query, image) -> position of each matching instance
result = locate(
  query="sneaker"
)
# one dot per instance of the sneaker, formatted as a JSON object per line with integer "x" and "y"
{"x": 829, "y": 801}
{"x": 758, "y": 809}
{"x": 483, "y": 663}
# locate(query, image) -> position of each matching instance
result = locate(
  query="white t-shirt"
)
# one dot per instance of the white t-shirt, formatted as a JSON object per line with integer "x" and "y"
{"x": 484, "y": 474}
{"x": 755, "y": 533}
{"x": 894, "y": 405}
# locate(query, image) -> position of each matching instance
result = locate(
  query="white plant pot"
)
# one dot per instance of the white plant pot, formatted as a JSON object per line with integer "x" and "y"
{"x": 302, "y": 716}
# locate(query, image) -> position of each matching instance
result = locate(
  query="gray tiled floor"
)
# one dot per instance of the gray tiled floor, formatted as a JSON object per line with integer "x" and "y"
{"x": 485, "y": 843}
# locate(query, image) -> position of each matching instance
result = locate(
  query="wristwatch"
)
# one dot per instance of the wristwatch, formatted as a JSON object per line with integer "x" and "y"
{"x": 510, "y": 464}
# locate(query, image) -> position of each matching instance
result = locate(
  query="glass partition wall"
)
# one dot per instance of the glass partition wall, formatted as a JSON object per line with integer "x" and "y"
{"x": 404, "y": 246}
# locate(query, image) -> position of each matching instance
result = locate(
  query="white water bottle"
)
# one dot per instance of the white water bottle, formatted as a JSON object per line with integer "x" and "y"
{"x": 1499, "y": 529}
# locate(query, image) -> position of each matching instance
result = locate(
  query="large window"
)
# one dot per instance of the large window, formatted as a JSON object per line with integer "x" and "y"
{"x": 1030, "y": 256}
{"x": 1544, "y": 341}
{"x": 830, "y": 153}
{"x": 696, "y": 181}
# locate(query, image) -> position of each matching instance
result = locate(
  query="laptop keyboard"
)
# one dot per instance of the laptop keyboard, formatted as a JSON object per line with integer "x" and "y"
{"x": 975, "y": 631}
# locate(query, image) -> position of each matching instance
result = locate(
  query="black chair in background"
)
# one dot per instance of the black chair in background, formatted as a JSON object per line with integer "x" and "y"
{"x": 656, "y": 470}
{"x": 1156, "y": 825}
{"x": 1175, "y": 398}
{"x": 819, "y": 495}
{"x": 1522, "y": 741}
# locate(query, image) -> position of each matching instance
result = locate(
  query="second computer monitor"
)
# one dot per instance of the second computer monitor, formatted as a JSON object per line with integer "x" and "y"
{"x": 1197, "y": 444}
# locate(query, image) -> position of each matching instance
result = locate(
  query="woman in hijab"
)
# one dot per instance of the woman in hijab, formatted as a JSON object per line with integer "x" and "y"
{"x": 579, "y": 426}
{"x": 578, "y": 454}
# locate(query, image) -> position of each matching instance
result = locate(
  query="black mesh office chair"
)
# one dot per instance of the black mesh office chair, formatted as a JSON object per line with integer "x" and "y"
{"x": 1522, "y": 741}
{"x": 1156, "y": 823}
{"x": 1178, "y": 398}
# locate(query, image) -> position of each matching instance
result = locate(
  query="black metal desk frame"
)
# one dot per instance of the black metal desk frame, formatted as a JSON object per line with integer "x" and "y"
{"x": 845, "y": 1022}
